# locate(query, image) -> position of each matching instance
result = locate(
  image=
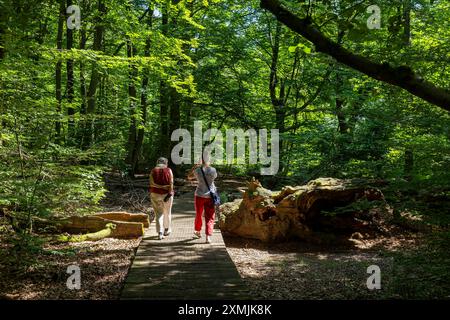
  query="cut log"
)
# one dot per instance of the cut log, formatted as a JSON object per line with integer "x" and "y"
{"x": 323, "y": 206}
{"x": 95, "y": 236}
{"x": 82, "y": 225}
{"x": 126, "y": 225}
{"x": 125, "y": 217}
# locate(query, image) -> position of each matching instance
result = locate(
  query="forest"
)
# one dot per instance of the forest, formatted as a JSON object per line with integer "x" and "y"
{"x": 91, "y": 92}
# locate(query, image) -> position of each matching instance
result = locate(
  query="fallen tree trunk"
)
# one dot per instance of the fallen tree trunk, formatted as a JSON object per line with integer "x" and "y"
{"x": 125, "y": 217}
{"x": 324, "y": 208}
{"x": 92, "y": 224}
{"x": 95, "y": 236}
{"x": 80, "y": 225}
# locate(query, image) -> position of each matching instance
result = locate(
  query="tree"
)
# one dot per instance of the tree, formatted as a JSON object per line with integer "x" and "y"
{"x": 99, "y": 30}
{"x": 58, "y": 76}
{"x": 402, "y": 76}
{"x": 70, "y": 81}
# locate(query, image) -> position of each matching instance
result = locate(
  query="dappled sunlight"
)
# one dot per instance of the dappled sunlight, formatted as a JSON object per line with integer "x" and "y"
{"x": 311, "y": 137}
{"x": 297, "y": 270}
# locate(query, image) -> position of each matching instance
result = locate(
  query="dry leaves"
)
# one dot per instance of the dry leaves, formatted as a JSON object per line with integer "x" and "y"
{"x": 103, "y": 265}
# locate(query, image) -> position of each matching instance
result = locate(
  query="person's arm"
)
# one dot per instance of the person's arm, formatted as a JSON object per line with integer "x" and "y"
{"x": 191, "y": 174}
{"x": 214, "y": 174}
{"x": 171, "y": 183}
{"x": 151, "y": 179}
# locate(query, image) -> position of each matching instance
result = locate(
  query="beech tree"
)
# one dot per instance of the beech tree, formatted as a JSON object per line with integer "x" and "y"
{"x": 402, "y": 76}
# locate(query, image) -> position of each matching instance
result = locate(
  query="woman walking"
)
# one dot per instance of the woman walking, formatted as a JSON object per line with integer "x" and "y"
{"x": 203, "y": 199}
{"x": 161, "y": 192}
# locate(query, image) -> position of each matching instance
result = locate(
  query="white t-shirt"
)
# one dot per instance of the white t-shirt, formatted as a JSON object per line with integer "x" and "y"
{"x": 202, "y": 189}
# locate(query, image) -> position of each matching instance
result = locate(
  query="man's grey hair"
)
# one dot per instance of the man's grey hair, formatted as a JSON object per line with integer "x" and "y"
{"x": 162, "y": 160}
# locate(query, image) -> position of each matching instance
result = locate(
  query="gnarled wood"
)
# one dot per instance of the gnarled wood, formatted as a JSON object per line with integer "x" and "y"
{"x": 302, "y": 211}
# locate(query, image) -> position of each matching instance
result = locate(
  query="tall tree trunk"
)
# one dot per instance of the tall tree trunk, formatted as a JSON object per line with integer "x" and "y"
{"x": 83, "y": 90}
{"x": 164, "y": 118}
{"x": 2, "y": 55}
{"x": 132, "y": 94}
{"x": 83, "y": 123}
{"x": 342, "y": 123}
{"x": 164, "y": 100}
{"x": 95, "y": 77}
{"x": 174, "y": 121}
{"x": 2, "y": 34}
{"x": 144, "y": 102}
{"x": 409, "y": 164}
{"x": 278, "y": 101}
{"x": 273, "y": 81}
{"x": 407, "y": 23}
{"x": 58, "y": 71}
{"x": 339, "y": 101}
{"x": 409, "y": 154}
{"x": 70, "y": 82}
{"x": 340, "y": 114}
{"x": 137, "y": 129}
{"x": 2, "y": 43}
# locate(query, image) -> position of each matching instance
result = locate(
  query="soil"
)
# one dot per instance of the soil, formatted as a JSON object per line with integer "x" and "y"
{"x": 298, "y": 270}
{"x": 43, "y": 275}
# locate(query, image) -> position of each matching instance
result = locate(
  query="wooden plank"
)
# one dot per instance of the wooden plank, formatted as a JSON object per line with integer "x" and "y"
{"x": 181, "y": 267}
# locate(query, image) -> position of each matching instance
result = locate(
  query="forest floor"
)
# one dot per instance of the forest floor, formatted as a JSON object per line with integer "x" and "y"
{"x": 413, "y": 265}
{"x": 41, "y": 273}
{"x": 411, "y": 268}
{"x": 33, "y": 268}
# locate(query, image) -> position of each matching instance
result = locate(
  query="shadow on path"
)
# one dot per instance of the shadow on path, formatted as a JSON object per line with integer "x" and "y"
{"x": 182, "y": 266}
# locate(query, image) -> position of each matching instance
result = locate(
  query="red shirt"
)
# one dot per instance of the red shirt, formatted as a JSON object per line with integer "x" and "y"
{"x": 161, "y": 176}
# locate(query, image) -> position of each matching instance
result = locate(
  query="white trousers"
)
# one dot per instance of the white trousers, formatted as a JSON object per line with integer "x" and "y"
{"x": 163, "y": 211}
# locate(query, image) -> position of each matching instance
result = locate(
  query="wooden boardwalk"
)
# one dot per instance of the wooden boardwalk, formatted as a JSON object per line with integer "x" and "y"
{"x": 181, "y": 266}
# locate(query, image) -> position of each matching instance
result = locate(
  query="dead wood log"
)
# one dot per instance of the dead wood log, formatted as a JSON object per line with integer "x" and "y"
{"x": 80, "y": 225}
{"x": 89, "y": 224}
{"x": 303, "y": 211}
{"x": 94, "y": 236}
{"x": 125, "y": 217}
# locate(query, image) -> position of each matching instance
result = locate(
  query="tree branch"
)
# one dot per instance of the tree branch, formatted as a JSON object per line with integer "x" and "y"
{"x": 402, "y": 76}
{"x": 313, "y": 96}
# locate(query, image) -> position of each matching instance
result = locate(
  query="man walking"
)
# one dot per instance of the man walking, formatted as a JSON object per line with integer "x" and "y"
{"x": 161, "y": 195}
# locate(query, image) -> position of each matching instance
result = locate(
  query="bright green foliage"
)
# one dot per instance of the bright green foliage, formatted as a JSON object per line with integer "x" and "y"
{"x": 211, "y": 61}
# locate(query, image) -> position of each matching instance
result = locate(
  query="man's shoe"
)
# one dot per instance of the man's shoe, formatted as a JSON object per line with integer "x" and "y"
{"x": 208, "y": 239}
{"x": 197, "y": 234}
{"x": 160, "y": 236}
{"x": 166, "y": 232}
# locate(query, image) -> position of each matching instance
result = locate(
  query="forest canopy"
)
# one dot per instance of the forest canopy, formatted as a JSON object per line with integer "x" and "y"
{"x": 333, "y": 114}
{"x": 105, "y": 95}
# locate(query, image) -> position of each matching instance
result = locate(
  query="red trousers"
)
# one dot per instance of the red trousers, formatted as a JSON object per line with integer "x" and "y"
{"x": 207, "y": 205}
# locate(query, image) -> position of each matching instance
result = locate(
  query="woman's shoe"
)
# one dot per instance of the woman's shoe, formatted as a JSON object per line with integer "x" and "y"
{"x": 197, "y": 234}
{"x": 166, "y": 232}
{"x": 160, "y": 236}
{"x": 208, "y": 239}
